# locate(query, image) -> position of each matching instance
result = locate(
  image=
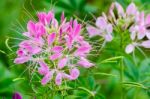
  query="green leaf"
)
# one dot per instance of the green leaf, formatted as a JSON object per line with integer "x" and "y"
{"x": 105, "y": 74}
{"x": 135, "y": 84}
{"x": 91, "y": 82}
{"x": 16, "y": 79}
{"x": 112, "y": 59}
{"x": 87, "y": 90}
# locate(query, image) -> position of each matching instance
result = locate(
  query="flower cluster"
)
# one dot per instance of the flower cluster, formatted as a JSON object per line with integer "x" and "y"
{"x": 58, "y": 48}
{"x": 103, "y": 28}
{"x": 132, "y": 20}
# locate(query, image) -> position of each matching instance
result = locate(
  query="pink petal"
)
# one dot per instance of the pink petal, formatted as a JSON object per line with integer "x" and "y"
{"x": 62, "y": 17}
{"x": 38, "y": 41}
{"x": 82, "y": 50}
{"x": 36, "y": 50}
{"x": 55, "y": 56}
{"x": 92, "y": 31}
{"x": 108, "y": 37}
{"x": 43, "y": 70}
{"x": 146, "y": 44}
{"x": 109, "y": 28}
{"x": 111, "y": 10}
{"x": 65, "y": 26}
{"x": 141, "y": 32}
{"x": 147, "y": 19}
{"x": 74, "y": 73}
{"x": 21, "y": 52}
{"x": 84, "y": 43}
{"x": 85, "y": 63}
{"x": 148, "y": 35}
{"x": 141, "y": 18}
{"x": 101, "y": 23}
{"x": 51, "y": 38}
{"x": 66, "y": 76}
{"x": 21, "y": 60}
{"x": 42, "y": 17}
{"x": 119, "y": 8}
{"x": 69, "y": 41}
{"x": 31, "y": 27}
{"x": 57, "y": 49}
{"x": 27, "y": 46}
{"x": 62, "y": 63}
{"x": 131, "y": 9}
{"x": 54, "y": 23}
{"x": 25, "y": 43}
{"x": 75, "y": 23}
{"x": 47, "y": 78}
{"x": 49, "y": 16}
{"x": 129, "y": 48}
{"x": 77, "y": 30}
{"x": 133, "y": 32}
{"x": 40, "y": 30}
{"x": 71, "y": 22}
{"x": 58, "y": 79}
{"x": 69, "y": 29}
{"x": 45, "y": 18}
{"x": 30, "y": 47}
{"x": 80, "y": 39}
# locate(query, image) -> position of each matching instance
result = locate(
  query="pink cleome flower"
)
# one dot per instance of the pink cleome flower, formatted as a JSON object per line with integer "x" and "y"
{"x": 132, "y": 20}
{"x": 57, "y": 48}
{"x": 103, "y": 29}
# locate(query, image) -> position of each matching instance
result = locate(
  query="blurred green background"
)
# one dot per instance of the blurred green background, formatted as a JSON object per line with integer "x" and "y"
{"x": 14, "y": 14}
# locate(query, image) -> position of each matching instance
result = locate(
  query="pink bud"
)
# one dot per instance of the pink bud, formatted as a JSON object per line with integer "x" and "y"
{"x": 130, "y": 48}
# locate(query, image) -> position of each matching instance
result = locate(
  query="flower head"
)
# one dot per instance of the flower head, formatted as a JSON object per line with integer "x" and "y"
{"x": 57, "y": 48}
{"x": 103, "y": 28}
{"x": 130, "y": 22}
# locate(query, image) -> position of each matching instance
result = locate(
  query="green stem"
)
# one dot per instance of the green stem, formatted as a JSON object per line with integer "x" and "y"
{"x": 121, "y": 78}
{"x": 121, "y": 67}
